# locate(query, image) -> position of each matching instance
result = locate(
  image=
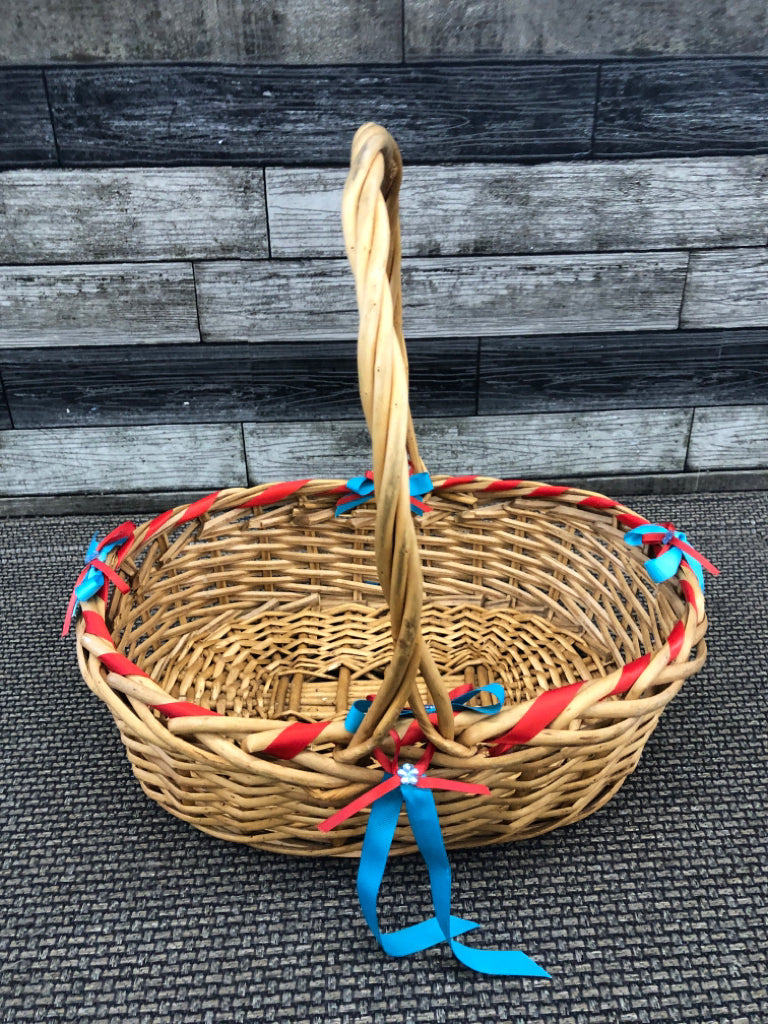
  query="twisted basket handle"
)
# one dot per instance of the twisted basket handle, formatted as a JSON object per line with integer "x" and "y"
{"x": 372, "y": 235}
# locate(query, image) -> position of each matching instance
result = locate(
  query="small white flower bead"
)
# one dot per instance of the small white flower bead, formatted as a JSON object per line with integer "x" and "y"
{"x": 409, "y": 775}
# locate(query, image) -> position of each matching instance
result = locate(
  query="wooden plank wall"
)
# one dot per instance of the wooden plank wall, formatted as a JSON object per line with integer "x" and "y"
{"x": 353, "y": 31}
{"x": 169, "y": 329}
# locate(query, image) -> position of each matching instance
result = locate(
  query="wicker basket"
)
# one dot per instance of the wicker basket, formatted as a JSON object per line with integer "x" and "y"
{"x": 244, "y": 626}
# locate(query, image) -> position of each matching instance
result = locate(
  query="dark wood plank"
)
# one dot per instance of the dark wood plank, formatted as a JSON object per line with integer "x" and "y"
{"x": 622, "y": 371}
{"x": 26, "y": 133}
{"x": 297, "y": 300}
{"x": 97, "y": 304}
{"x": 139, "y": 214}
{"x": 86, "y": 460}
{"x": 727, "y": 289}
{"x": 435, "y": 29}
{"x": 5, "y": 415}
{"x": 528, "y": 446}
{"x": 228, "y": 383}
{"x": 196, "y": 114}
{"x": 484, "y": 210}
{"x": 285, "y": 31}
{"x": 682, "y": 108}
{"x": 731, "y": 438}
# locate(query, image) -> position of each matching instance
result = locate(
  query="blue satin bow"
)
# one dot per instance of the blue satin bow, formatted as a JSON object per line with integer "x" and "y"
{"x": 674, "y": 549}
{"x": 359, "y": 709}
{"x": 93, "y": 580}
{"x": 362, "y": 490}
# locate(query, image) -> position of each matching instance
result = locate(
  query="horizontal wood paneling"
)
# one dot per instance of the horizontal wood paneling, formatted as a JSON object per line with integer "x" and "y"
{"x": 566, "y": 207}
{"x": 604, "y": 371}
{"x": 493, "y": 28}
{"x": 86, "y": 460}
{"x": 26, "y": 133}
{"x": 309, "y": 32}
{"x": 733, "y": 438}
{"x": 197, "y": 114}
{"x": 727, "y": 289}
{"x": 315, "y": 300}
{"x": 682, "y": 108}
{"x": 527, "y": 446}
{"x": 92, "y": 304}
{"x": 92, "y": 216}
{"x": 221, "y": 383}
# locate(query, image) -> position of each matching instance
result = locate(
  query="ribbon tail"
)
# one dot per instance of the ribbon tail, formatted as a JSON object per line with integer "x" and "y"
{"x": 664, "y": 566}
{"x": 373, "y": 861}
{"x": 697, "y": 571}
{"x": 426, "y": 829}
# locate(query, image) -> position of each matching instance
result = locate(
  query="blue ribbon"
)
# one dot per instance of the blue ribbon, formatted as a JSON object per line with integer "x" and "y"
{"x": 422, "y": 814}
{"x": 359, "y": 709}
{"x": 665, "y": 565}
{"x": 362, "y": 486}
{"x": 93, "y": 580}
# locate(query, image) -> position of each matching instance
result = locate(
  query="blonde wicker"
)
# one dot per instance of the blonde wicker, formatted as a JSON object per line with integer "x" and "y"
{"x": 255, "y": 617}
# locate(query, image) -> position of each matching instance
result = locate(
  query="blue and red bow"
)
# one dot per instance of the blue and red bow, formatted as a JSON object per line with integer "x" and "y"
{"x": 670, "y": 548}
{"x": 407, "y": 784}
{"x": 360, "y": 490}
{"x": 96, "y": 572}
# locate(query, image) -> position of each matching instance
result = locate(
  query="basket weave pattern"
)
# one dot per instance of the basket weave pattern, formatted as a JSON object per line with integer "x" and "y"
{"x": 265, "y": 607}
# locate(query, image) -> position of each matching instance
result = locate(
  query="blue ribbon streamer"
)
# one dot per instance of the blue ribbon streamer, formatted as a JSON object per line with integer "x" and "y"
{"x": 422, "y": 814}
{"x": 664, "y": 566}
{"x": 359, "y": 709}
{"x": 362, "y": 486}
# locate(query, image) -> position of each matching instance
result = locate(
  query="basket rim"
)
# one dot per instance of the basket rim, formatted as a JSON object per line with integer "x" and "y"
{"x": 117, "y": 680}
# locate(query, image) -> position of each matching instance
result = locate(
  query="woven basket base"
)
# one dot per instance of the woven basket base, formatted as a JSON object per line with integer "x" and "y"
{"x": 313, "y": 665}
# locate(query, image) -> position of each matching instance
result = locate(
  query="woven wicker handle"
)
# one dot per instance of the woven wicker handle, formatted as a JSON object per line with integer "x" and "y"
{"x": 372, "y": 234}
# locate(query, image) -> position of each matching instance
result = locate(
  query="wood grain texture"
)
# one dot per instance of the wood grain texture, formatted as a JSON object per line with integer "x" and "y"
{"x": 222, "y": 383}
{"x": 197, "y": 114}
{"x": 557, "y": 207}
{"x": 620, "y": 371}
{"x": 92, "y": 216}
{"x": 92, "y": 304}
{"x": 527, "y": 446}
{"x": 283, "y": 31}
{"x": 727, "y": 289}
{"x": 5, "y": 415}
{"x": 315, "y": 300}
{"x": 669, "y": 108}
{"x": 88, "y": 460}
{"x": 731, "y": 438}
{"x": 26, "y": 133}
{"x": 494, "y": 28}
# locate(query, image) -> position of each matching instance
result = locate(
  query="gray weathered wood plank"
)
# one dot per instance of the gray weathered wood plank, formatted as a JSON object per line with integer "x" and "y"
{"x": 138, "y": 214}
{"x": 91, "y": 459}
{"x": 734, "y": 437}
{"x": 526, "y": 446}
{"x": 727, "y": 289}
{"x": 283, "y": 31}
{"x": 97, "y": 304}
{"x": 315, "y": 300}
{"x": 485, "y": 28}
{"x": 471, "y": 209}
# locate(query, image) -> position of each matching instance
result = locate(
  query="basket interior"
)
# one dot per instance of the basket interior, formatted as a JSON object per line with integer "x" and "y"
{"x": 278, "y": 614}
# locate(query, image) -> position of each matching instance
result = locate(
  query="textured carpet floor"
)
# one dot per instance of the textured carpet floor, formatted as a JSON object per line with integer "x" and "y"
{"x": 653, "y": 910}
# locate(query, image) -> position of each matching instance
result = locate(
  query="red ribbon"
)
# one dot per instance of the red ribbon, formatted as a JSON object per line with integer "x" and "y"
{"x": 394, "y": 781}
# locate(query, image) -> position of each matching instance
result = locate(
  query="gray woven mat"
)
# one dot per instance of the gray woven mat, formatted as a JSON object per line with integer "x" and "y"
{"x": 654, "y": 909}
